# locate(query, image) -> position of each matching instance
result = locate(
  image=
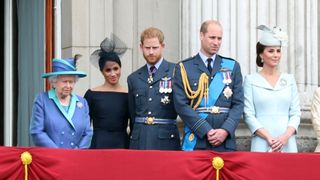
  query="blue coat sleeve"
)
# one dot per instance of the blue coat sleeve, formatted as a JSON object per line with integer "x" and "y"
{"x": 87, "y": 134}
{"x": 294, "y": 111}
{"x": 131, "y": 102}
{"x": 37, "y": 127}
{"x": 249, "y": 107}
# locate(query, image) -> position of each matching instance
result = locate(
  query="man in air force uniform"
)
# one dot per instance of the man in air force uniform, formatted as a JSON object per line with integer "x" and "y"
{"x": 150, "y": 98}
{"x": 208, "y": 94}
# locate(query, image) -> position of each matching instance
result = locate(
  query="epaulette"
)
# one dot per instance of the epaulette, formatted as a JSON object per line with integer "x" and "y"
{"x": 227, "y": 58}
{"x": 188, "y": 59}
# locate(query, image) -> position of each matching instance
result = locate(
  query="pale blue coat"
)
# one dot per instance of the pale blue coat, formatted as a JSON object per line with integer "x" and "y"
{"x": 51, "y": 126}
{"x": 271, "y": 108}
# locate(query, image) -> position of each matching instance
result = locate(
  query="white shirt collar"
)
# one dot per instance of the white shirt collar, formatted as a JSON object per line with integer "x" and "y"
{"x": 204, "y": 58}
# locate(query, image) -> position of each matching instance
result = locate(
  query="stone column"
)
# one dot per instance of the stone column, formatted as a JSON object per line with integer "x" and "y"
{"x": 239, "y": 19}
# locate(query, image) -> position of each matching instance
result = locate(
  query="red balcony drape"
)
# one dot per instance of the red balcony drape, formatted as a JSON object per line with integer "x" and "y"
{"x": 165, "y": 165}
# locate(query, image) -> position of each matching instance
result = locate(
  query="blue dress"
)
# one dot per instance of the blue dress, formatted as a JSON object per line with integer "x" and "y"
{"x": 272, "y": 108}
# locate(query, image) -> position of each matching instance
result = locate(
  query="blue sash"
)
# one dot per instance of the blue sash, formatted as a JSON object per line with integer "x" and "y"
{"x": 215, "y": 89}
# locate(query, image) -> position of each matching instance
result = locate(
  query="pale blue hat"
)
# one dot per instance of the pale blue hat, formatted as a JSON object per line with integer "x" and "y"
{"x": 64, "y": 67}
{"x": 272, "y": 37}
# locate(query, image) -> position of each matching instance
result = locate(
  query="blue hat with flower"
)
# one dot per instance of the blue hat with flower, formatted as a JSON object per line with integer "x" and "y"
{"x": 64, "y": 67}
{"x": 272, "y": 37}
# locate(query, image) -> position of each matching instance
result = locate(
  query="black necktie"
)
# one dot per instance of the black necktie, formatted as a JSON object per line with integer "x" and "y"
{"x": 209, "y": 60}
{"x": 153, "y": 70}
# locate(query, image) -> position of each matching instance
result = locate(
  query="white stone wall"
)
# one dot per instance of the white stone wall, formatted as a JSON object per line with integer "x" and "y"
{"x": 85, "y": 23}
{"x": 240, "y": 18}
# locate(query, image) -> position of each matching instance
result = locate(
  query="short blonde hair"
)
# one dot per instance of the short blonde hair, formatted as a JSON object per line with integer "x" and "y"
{"x": 152, "y": 32}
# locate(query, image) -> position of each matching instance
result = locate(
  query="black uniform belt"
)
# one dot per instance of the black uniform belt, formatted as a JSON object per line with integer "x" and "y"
{"x": 153, "y": 120}
{"x": 212, "y": 110}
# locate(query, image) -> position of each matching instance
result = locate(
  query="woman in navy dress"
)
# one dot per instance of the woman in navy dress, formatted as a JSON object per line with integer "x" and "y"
{"x": 108, "y": 103}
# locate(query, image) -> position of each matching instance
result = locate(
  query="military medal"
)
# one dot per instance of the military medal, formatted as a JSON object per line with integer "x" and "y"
{"x": 165, "y": 100}
{"x": 226, "y": 77}
{"x": 170, "y": 86}
{"x": 165, "y": 85}
{"x": 161, "y": 88}
{"x": 165, "y": 82}
{"x": 227, "y": 80}
{"x": 227, "y": 92}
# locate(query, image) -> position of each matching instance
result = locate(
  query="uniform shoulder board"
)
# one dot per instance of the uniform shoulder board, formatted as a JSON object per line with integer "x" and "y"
{"x": 188, "y": 59}
{"x": 227, "y": 58}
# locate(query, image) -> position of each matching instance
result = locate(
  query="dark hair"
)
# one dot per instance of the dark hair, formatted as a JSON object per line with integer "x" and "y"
{"x": 110, "y": 56}
{"x": 259, "y": 49}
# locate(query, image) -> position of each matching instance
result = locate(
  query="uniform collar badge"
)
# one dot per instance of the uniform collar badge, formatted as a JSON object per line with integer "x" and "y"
{"x": 150, "y": 79}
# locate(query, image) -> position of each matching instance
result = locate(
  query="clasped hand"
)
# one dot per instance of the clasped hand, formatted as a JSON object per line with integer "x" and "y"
{"x": 217, "y": 136}
{"x": 277, "y": 144}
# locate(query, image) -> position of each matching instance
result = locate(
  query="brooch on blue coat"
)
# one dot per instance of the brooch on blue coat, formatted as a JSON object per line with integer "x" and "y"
{"x": 79, "y": 105}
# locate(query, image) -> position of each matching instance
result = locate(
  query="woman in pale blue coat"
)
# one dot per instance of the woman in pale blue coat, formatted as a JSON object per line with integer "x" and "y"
{"x": 60, "y": 118}
{"x": 272, "y": 110}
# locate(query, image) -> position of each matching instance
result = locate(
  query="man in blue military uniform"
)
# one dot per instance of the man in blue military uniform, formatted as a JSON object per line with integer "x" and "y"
{"x": 208, "y": 94}
{"x": 150, "y": 98}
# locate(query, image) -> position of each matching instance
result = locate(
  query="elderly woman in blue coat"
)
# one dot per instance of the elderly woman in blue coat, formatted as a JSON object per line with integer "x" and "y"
{"x": 272, "y": 110}
{"x": 60, "y": 118}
